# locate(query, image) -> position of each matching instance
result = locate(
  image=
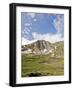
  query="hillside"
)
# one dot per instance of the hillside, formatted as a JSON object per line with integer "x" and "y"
{"x": 42, "y": 47}
{"x": 42, "y": 58}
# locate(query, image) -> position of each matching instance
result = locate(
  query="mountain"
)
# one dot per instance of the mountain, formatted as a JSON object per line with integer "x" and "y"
{"x": 59, "y": 48}
{"x": 41, "y": 47}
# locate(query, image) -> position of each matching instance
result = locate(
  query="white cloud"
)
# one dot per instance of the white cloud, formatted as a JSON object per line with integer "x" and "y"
{"x": 27, "y": 24}
{"x": 35, "y": 20}
{"x": 31, "y": 14}
{"x": 48, "y": 37}
{"x": 58, "y": 23}
{"x": 25, "y": 32}
{"x": 26, "y": 41}
{"x": 30, "y": 27}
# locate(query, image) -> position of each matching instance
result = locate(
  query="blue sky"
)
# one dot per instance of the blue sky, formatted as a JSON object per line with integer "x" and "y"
{"x": 37, "y": 26}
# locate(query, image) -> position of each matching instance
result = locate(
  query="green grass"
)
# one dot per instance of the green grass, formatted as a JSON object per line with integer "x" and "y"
{"x": 41, "y": 65}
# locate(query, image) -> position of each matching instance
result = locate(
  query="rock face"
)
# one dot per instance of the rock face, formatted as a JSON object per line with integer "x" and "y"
{"x": 41, "y": 47}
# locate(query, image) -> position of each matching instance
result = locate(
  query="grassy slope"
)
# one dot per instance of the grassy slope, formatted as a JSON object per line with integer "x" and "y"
{"x": 42, "y": 65}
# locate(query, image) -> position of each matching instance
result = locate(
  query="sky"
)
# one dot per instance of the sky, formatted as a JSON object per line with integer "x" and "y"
{"x": 41, "y": 26}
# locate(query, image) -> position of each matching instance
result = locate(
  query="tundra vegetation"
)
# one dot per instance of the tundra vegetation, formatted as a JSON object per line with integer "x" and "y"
{"x": 42, "y": 58}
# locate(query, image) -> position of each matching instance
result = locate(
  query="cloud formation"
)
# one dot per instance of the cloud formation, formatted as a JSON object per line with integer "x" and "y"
{"x": 58, "y": 23}
{"x": 28, "y": 24}
{"x": 32, "y": 31}
{"x": 32, "y": 15}
{"x": 48, "y": 37}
